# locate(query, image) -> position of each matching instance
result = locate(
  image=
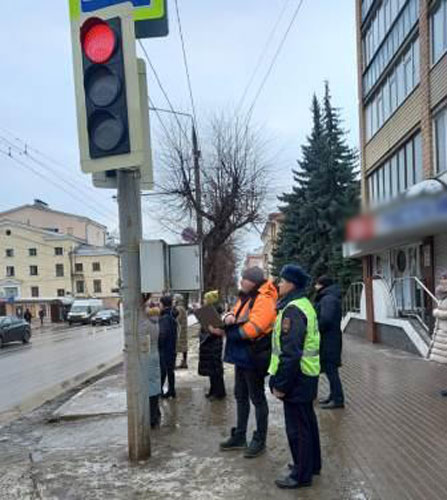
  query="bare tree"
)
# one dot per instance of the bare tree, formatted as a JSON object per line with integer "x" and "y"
{"x": 234, "y": 175}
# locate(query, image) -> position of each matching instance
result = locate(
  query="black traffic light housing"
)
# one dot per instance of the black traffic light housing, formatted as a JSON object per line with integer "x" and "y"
{"x": 105, "y": 88}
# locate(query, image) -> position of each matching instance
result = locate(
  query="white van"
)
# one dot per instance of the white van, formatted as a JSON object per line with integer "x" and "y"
{"x": 82, "y": 311}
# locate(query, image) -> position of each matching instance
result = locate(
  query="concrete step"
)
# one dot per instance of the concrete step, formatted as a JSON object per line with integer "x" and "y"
{"x": 439, "y": 352}
{"x": 438, "y": 359}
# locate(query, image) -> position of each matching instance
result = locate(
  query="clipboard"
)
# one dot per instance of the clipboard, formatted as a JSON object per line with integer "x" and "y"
{"x": 207, "y": 315}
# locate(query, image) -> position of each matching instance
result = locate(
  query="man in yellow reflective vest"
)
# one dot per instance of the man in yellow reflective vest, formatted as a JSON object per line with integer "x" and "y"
{"x": 294, "y": 370}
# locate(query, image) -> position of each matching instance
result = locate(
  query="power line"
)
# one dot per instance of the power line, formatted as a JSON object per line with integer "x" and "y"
{"x": 51, "y": 181}
{"x": 275, "y": 57}
{"x": 103, "y": 212}
{"x": 26, "y": 153}
{"x": 157, "y": 78}
{"x": 262, "y": 55}
{"x": 185, "y": 61}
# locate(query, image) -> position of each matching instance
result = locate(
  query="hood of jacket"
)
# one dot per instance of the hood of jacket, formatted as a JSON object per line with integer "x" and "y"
{"x": 268, "y": 289}
{"x": 334, "y": 290}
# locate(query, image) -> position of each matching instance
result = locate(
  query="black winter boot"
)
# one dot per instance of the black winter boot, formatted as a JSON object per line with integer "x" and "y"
{"x": 237, "y": 441}
{"x": 256, "y": 447}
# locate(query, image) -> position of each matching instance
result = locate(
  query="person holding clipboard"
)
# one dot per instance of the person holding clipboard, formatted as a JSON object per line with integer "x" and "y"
{"x": 248, "y": 331}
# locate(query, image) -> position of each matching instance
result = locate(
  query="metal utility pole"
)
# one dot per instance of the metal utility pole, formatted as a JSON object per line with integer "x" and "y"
{"x": 198, "y": 185}
{"x": 136, "y": 341}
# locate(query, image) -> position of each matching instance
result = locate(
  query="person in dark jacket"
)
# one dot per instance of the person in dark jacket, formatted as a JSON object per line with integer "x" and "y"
{"x": 27, "y": 316}
{"x": 210, "y": 354}
{"x": 329, "y": 311}
{"x": 294, "y": 370}
{"x": 167, "y": 345}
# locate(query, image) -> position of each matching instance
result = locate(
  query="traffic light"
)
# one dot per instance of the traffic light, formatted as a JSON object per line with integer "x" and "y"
{"x": 105, "y": 88}
{"x": 108, "y": 98}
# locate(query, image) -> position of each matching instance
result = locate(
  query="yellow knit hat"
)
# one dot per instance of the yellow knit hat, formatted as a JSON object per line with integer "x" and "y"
{"x": 211, "y": 297}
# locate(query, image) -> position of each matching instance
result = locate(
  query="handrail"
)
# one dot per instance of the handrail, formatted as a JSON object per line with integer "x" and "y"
{"x": 420, "y": 283}
{"x": 427, "y": 291}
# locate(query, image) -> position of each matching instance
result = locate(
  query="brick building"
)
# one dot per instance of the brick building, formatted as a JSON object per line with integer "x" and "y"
{"x": 402, "y": 85}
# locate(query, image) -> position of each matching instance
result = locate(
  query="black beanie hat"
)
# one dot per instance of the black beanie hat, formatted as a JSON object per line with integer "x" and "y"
{"x": 325, "y": 281}
{"x": 166, "y": 301}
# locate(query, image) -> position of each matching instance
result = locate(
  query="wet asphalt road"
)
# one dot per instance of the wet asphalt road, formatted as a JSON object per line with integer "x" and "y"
{"x": 52, "y": 358}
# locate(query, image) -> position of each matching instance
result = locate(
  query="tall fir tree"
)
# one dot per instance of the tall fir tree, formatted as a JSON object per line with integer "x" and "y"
{"x": 325, "y": 194}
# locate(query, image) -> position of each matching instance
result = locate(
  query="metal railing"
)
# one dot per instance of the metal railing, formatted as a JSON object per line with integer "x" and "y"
{"x": 353, "y": 298}
{"x": 413, "y": 299}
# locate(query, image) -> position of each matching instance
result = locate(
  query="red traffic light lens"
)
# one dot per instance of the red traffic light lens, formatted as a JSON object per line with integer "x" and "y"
{"x": 99, "y": 43}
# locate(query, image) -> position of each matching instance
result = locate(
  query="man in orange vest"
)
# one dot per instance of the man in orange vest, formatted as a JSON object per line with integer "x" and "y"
{"x": 248, "y": 330}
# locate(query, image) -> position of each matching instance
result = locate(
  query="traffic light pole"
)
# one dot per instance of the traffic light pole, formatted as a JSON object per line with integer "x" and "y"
{"x": 136, "y": 340}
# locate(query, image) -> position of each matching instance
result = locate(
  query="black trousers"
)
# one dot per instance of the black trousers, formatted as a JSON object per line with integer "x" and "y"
{"x": 336, "y": 388}
{"x": 217, "y": 385}
{"x": 249, "y": 386}
{"x": 154, "y": 402}
{"x": 167, "y": 370}
{"x": 304, "y": 440}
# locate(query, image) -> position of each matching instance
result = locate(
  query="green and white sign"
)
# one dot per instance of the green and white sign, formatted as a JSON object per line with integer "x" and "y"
{"x": 151, "y": 16}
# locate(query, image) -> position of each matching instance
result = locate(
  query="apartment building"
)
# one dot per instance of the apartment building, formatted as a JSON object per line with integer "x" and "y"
{"x": 402, "y": 84}
{"x": 269, "y": 238}
{"x": 47, "y": 265}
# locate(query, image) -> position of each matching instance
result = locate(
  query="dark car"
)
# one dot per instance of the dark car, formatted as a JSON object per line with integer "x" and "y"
{"x": 14, "y": 329}
{"x": 106, "y": 317}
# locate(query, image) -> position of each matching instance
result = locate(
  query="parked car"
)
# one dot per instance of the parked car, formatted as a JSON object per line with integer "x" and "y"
{"x": 106, "y": 317}
{"x": 82, "y": 311}
{"x": 14, "y": 329}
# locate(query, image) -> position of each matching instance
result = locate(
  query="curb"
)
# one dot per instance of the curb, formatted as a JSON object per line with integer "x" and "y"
{"x": 56, "y": 390}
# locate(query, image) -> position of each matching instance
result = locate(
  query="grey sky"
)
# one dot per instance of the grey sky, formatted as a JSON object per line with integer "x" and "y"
{"x": 224, "y": 41}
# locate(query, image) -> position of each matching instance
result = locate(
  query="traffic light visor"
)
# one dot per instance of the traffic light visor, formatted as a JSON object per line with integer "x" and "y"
{"x": 98, "y": 41}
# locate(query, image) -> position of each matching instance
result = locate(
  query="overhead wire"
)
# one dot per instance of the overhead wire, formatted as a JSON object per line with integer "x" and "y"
{"x": 26, "y": 150}
{"x": 51, "y": 181}
{"x": 263, "y": 54}
{"x": 185, "y": 62}
{"x": 165, "y": 94}
{"x": 274, "y": 59}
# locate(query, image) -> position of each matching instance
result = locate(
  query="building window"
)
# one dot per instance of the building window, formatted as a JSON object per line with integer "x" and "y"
{"x": 80, "y": 287}
{"x": 58, "y": 251}
{"x": 33, "y": 270}
{"x": 395, "y": 89}
{"x": 97, "y": 286}
{"x": 96, "y": 266}
{"x": 32, "y": 252}
{"x": 59, "y": 270}
{"x": 10, "y": 271}
{"x": 380, "y": 45}
{"x": 8, "y": 232}
{"x": 396, "y": 175}
{"x": 440, "y": 125}
{"x": 34, "y": 291}
{"x": 79, "y": 267}
{"x": 439, "y": 31}
{"x": 9, "y": 252}
{"x": 60, "y": 292}
{"x": 11, "y": 291}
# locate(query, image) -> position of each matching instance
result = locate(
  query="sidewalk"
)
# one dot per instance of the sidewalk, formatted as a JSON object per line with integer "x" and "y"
{"x": 389, "y": 443}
